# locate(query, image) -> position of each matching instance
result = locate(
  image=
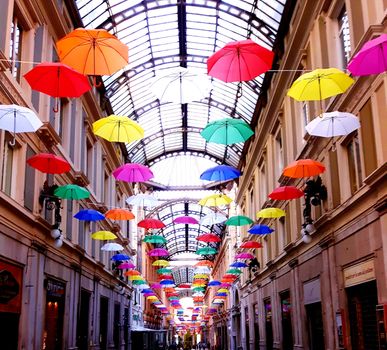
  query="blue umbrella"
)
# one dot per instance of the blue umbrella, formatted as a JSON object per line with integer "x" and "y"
{"x": 238, "y": 264}
{"x": 89, "y": 215}
{"x": 165, "y": 282}
{"x": 260, "y": 230}
{"x": 221, "y": 294}
{"x": 214, "y": 283}
{"x": 220, "y": 173}
{"x": 120, "y": 257}
{"x": 146, "y": 290}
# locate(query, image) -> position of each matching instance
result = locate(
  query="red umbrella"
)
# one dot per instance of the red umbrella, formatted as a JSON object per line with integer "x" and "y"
{"x": 286, "y": 192}
{"x": 57, "y": 80}
{"x": 208, "y": 237}
{"x": 49, "y": 163}
{"x": 151, "y": 223}
{"x": 304, "y": 168}
{"x": 239, "y": 61}
{"x": 251, "y": 244}
{"x": 184, "y": 285}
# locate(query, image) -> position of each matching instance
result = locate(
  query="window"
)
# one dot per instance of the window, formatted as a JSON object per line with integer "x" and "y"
{"x": 262, "y": 184}
{"x": 8, "y": 165}
{"x": 69, "y": 220}
{"x": 251, "y": 203}
{"x": 344, "y": 37}
{"x": 15, "y": 48}
{"x": 29, "y": 182}
{"x": 354, "y": 162}
{"x": 279, "y": 155}
{"x": 90, "y": 161}
{"x": 38, "y": 50}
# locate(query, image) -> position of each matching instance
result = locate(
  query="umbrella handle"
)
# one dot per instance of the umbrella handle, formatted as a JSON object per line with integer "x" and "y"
{"x": 95, "y": 82}
{"x": 56, "y": 108}
{"x": 13, "y": 142}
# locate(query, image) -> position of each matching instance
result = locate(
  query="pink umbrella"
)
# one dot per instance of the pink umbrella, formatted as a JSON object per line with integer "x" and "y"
{"x": 185, "y": 220}
{"x": 133, "y": 173}
{"x": 126, "y": 265}
{"x": 244, "y": 256}
{"x": 225, "y": 285}
{"x": 158, "y": 252}
{"x": 371, "y": 59}
{"x": 156, "y": 286}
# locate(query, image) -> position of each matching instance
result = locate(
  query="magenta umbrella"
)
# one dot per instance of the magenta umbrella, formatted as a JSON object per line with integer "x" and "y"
{"x": 372, "y": 57}
{"x": 225, "y": 285}
{"x": 156, "y": 286}
{"x": 244, "y": 256}
{"x": 185, "y": 220}
{"x": 126, "y": 265}
{"x": 133, "y": 172}
{"x": 158, "y": 252}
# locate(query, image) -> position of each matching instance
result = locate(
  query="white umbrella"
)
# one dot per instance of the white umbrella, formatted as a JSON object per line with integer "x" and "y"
{"x": 112, "y": 247}
{"x": 212, "y": 219}
{"x": 202, "y": 269}
{"x": 333, "y": 124}
{"x": 180, "y": 85}
{"x": 17, "y": 119}
{"x": 142, "y": 200}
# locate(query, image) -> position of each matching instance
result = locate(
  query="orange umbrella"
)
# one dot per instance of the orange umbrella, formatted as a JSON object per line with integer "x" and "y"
{"x": 205, "y": 263}
{"x": 119, "y": 214}
{"x": 132, "y": 273}
{"x": 303, "y": 168}
{"x": 93, "y": 51}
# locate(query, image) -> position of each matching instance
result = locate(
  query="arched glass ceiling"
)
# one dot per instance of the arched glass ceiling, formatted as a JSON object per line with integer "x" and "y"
{"x": 164, "y": 34}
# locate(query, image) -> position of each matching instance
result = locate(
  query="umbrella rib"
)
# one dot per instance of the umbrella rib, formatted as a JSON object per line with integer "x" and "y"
{"x": 97, "y": 45}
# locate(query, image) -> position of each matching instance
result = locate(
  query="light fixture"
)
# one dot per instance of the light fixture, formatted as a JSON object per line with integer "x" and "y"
{"x": 58, "y": 242}
{"x": 309, "y": 228}
{"x": 55, "y": 233}
{"x": 306, "y": 237}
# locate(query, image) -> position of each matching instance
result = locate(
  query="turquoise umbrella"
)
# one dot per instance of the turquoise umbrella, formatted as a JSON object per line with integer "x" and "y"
{"x": 239, "y": 220}
{"x": 72, "y": 192}
{"x": 206, "y": 251}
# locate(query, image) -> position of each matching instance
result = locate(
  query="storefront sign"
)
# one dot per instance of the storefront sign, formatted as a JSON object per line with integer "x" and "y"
{"x": 55, "y": 289}
{"x": 10, "y": 288}
{"x": 312, "y": 292}
{"x": 359, "y": 273}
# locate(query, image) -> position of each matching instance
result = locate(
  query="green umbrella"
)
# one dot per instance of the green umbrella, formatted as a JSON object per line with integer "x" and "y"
{"x": 198, "y": 289}
{"x": 173, "y": 298}
{"x": 155, "y": 239}
{"x": 238, "y": 220}
{"x": 234, "y": 271}
{"x": 206, "y": 251}
{"x": 138, "y": 282}
{"x": 72, "y": 192}
{"x": 227, "y": 131}
{"x": 163, "y": 270}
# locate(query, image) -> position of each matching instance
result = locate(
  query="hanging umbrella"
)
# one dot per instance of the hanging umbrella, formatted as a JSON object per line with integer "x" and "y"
{"x": 371, "y": 58}
{"x": 213, "y": 218}
{"x": 223, "y": 290}
{"x": 333, "y": 124}
{"x": 215, "y": 200}
{"x": 57, "y": 80}
{"x": 271, "y": 213}
{"x": 206, "y": 251}
{"x": 185, "y": 220}
{"x": 184, "y": 286}
{"x": 138, "y": 283}
{"x": 133, "y": 173}
{"x": 163, "y": 270}
{"x": 226, "y": 285}
{"x": 136, "y": 278}
{"x": 230, "y": 276}
{"x": 208, "y": 237}
{"x": 260, "y": 230}
{"x": 155, "y": 285}
{"x": 239, "y": 61}
{"x": 320, "y": 84}
{"x": 151, "y": 224}
{"x": 303, "y": 168}
{"x": 126, "y": 265}
{"x": 89, "y": 215}
{"x": 132, "y": 273}
{"x": 238, "y": 264}
{"x": 158, "y": 252}
{"x": 49, "y": 163}
{"x": 180, "y": 85}
{"x": 92, "y": 51}
{"x": 103, "y": 235}
{"x": 198, "y": 289}
{"x": 220, "y": 173}
{"x": 72, "y": 192}
{"x": 244, "y": 256}
{"x": 17, "y": 119}
{"x": 238, "y": 220}
{"x": 119, "y": 214}
{"x": 227, "y": 131}
{"x": 154, "y": 239}
{"x": 117, "y": 128}
{"x": 120, "y": 257}
{"x": 166, "y": 282}
{"x": 200, "y": 276}
{"x": 205, "y": 263}
{"x": 142, "y": 200}
{"x": 251, "y": 244}
{"x": 214, "y": 283}
{"x": 160, "y": 262}
{"x": 112, "y": 247}
{"x": 286, "y": 193}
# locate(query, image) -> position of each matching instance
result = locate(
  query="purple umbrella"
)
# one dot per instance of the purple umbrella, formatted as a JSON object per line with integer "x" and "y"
{"x": 372, "y": 57}
{"x": 244, "y": 256}
{"x": 158, "y": 252}
{"x": 225, "y": 285}
{"x": 126, "y": 265}
{"x": 133, "y": 173}
{"x": 185, "y": 220}
{"x": 156, "y": 286}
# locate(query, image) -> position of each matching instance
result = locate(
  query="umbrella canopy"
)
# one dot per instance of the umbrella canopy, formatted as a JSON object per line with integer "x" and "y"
{"x": 155, "y": 285}
{"x": 205, "y": 263}
{"x": 184, "y": 286}
{"x": 133, "y": 273}
{"x": 244, "y": 256}
{"x": 304, "y": 168}
{"x": 198, "y": 289}
{"x": 154, "y": 239}
{"x": 185, "y": 220}
{"x": 16, "y": 119}
{"x": 227, "y": 131}
{"x": 271, "y": 213}
{"x": 72, "y": 192}
{"x": 151, "y": 223}
{"x": 158, "y": 252}
{"x": 89, "y": 215}
{"x": 112, "y": 247}
{"x": 226, "y": 285}
{"x": 260, "y": 230}
{"x": 208, "y": 237}
{"x": 320, "y": 84}
{"x": 119, "y": 214}
{"x": 239, "y": 61}
{"x": 118, "y": 128}
{"x": 166, "y": 282}
{"x": 138, "y": 282}
{"x": 136, "y": 278}
{"x": 49, "y": 163}
{"x": 103, "y": 235}
{"x": 251, "y": 244}
{"x": 234, "y": 271}
{"x": 238, "y": 264}
{"x": 215, "y": 200}
{"x": 333, "y": 124}
{"x": 120, "y": 257}
{"x": 220, "y": 173}
{"x": 142, "y": 200}
{"x": 93, "y": 51}
{"x": 160, "y": 262}
{"x": 206, "y": 251}
{"x": 213, "y": 219}
{"x": 214, "y": 283}
{"x": 238, "y": 220}
{"x": 133, "y": 172}
{"x": 126, "y": 265}
{"x": 286, "y": 193}
{"x": 180, "y": 85}
{"x": 371, "y": 58}
{"x": 163, "y": 270}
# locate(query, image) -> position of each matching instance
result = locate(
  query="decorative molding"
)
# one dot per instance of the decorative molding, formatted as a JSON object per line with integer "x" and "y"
{"x": 81, "y": 178}
{"x": 48, "y": 135}
{"x": 293, "y": 263}
{"x": 39, "y": 247}
{"x": 273, "y": 276}
{"x": 327, "y": 241}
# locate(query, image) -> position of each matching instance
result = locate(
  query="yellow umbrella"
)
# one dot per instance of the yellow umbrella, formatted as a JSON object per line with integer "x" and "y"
{"x": 215, "y": 200}
{"x": 152, "y": 297}
{"x": 201, "y": 275}
{"x": 271, "y": 213}
{"x": 198, "y": 285}
{"x": 103, "y": 235}
{"x": 136, "y": 278}
{"x": 223, "y": 290}
{"x": 117, "y": 128}
{"x": 320, "y": 84}
{"x": 160, "y": 263}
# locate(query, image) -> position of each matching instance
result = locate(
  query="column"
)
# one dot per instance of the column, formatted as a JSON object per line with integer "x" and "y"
{"x": 297, "y": 305}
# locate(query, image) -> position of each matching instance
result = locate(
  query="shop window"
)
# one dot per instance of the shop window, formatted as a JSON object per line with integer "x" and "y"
{"x": 256, "y": 326}
{"x": 29, "y": 182}
{"x": 344, "y": 36}
{"x": 286, "y": 307}
{"x": 268, "y": 324}
{"x": 354, "y": 162}
{"x": 16, "y": 48}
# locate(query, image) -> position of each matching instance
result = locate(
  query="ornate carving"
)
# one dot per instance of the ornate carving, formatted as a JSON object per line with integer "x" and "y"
{"x": 81, "y": 179}
{"x": 48, "y": 135}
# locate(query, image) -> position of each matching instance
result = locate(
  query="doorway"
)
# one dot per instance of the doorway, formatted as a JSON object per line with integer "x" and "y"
{"x": 116, "y": 327}
{"x": 9, "y": 325}
{"x": 315, "y": 326}
{"x": 268, "y": 324}
{"x": 287, "y": 334}
{"x": 83, "y": 321}
{"x": 103, "y": 322}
